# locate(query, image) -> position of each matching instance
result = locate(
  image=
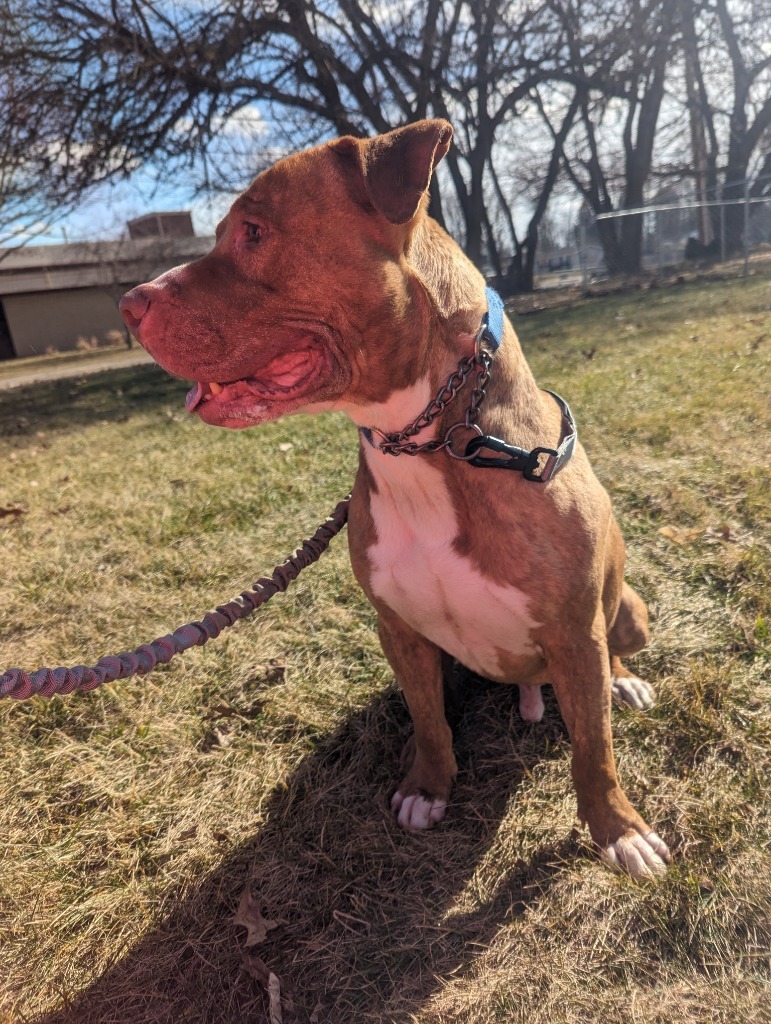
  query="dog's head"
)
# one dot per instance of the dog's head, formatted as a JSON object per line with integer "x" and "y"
{"x": 295, "y": 307}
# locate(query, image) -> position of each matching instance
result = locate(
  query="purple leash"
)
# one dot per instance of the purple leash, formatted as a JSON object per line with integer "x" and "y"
{"x": 45, "y": 682}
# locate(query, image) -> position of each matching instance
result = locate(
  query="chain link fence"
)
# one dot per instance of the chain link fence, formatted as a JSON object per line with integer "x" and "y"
{"x": 676, "y": 232}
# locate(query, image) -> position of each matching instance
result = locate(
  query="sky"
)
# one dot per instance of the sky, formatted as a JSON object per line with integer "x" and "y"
{"x": 238, "y": 148}
{"x": 242, "y": 144}
{"x": 105, "y": 213}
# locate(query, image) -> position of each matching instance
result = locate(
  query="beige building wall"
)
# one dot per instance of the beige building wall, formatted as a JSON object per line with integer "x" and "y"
{"x": 57, "y": 319}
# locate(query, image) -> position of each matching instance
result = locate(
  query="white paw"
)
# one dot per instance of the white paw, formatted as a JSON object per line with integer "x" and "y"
{"x": 416, "y": 811}
{"x": 632, "y": 691}
{"x": 641, "y": 856}
{"x": 531, "y": 703}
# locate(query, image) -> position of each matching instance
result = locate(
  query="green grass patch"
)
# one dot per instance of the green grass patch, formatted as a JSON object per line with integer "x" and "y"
{"x": 133, "y": 817}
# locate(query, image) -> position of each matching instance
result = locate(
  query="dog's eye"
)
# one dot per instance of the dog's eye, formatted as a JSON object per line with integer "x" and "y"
{"x": 252, "y": 232}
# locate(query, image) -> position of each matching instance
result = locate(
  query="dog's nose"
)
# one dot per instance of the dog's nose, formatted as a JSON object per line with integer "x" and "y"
{"x": 133, "y": 307}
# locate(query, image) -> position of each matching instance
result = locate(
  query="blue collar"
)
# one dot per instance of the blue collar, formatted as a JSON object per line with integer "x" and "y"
{"x": 492, "y": 321}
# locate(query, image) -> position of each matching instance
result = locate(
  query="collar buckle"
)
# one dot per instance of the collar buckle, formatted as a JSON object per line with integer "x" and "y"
{"x": 528, "y": 463}
{"x": 541, "y": 474}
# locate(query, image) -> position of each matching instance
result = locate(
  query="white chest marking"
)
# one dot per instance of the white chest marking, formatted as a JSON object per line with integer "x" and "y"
{"x": 416, "y": 571}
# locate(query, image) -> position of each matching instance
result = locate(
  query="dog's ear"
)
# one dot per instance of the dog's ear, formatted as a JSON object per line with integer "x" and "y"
{"x": 397, "y": 167}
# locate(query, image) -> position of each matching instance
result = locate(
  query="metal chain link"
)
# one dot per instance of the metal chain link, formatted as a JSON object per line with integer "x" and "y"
{"x": 398, "y": 443}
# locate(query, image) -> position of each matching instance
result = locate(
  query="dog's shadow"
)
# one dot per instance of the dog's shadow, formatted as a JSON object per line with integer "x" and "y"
{"x": 371, "y": 920}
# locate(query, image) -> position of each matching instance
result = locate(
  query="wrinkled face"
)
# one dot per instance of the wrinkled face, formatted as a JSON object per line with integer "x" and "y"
{"x": 274, "y": 319}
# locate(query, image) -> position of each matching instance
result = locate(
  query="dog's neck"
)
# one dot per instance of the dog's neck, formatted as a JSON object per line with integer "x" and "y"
{"x": 448, "y": 304}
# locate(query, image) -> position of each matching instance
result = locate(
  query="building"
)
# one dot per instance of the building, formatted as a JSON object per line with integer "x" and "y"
{"x": 178, "y": 224}
{"x": 59, "y": 297}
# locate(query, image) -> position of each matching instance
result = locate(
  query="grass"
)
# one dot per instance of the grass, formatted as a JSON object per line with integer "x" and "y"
{"x": 134, "y": 817}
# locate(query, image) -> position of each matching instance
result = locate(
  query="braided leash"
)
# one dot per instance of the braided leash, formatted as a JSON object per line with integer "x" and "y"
{"x": 46, "y": 682}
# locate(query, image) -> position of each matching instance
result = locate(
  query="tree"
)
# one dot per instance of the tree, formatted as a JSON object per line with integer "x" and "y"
{"x": 130, "y": 82}
{"x": 95, "y": 89}
{"x": 620, "y": 59}
{"x": 25, "y": 206}
{"x": 732, "y": 71}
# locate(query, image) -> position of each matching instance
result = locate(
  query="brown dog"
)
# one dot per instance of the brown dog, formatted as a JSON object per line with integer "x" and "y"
{"x": 330, "y": 288}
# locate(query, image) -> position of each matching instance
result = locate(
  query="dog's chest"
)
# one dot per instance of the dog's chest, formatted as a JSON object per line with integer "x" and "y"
{"x": 416, "y": 570}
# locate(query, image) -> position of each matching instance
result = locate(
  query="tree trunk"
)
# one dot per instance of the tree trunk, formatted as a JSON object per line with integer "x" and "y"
{"x": 734, "y": 181}
{"x": 612, "y": 249}
{"x": 474, "y": 211}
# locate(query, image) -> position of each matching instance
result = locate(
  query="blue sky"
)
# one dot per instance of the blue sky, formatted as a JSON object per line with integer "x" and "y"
{"x": 105, "y": 213}
{"x": 236, "y": 154}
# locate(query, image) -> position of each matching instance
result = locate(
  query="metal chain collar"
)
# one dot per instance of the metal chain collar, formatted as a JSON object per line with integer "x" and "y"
{"x": 398, "y": 443}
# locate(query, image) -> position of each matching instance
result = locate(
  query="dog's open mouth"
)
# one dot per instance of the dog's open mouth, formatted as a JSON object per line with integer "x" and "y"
{"x": 283, "y": 381}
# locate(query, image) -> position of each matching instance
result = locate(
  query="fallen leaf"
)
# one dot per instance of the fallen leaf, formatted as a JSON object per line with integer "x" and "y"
{"x": 274, "y": 994}
{"x": 679, "y": 534}
{"x": 723, "y": 534}
{"x": 248, "y": 916}
{"x": 11, "y": 512}
{"x": 215, "y": 737}
{"x": 224, "y": 739}
{"x": 222, "y": 711}
{"x": 287, "y": 446}
{"x": 273, "y": 672}
{"x": 256, "y": 967}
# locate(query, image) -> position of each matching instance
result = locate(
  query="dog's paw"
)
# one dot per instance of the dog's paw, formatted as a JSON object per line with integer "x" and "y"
{"x": 417, "y": 812}
{"x": 531, "y": 703}
{"x": 641, "y": 856}
{"x": 634, "y": 692}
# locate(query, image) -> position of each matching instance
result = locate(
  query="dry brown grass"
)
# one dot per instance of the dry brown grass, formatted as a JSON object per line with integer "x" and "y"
{"x": 135, "y": 816}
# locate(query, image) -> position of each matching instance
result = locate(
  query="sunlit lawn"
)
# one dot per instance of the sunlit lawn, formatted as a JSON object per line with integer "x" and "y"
{"x": 133, "y": 817}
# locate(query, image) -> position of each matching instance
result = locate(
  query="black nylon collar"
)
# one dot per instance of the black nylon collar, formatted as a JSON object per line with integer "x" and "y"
{"x": 529, "y": 463}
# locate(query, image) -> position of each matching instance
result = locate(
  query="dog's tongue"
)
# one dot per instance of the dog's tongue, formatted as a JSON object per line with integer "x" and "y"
{"x": 194, "y": 396}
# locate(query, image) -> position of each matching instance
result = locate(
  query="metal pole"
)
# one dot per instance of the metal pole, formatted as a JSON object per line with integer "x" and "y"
{"x": 582, "y": 255}
{"x": 722, "y": 232}
{"x": 657, "y": 225}
{"x": 746, "y": 228}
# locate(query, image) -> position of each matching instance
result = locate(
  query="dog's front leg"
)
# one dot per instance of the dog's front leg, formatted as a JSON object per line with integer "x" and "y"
{"x": 580, "y": 674}
{"x": 421, "y": 799}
